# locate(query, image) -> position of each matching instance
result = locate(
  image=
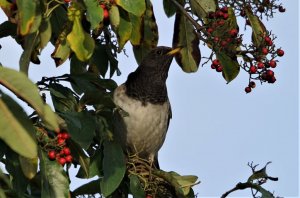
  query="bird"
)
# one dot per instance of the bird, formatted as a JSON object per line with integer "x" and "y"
{"x": 142, "y": 129}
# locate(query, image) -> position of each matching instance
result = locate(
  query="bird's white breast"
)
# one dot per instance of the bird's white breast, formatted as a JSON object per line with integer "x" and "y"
{"x": 145, "y": 125}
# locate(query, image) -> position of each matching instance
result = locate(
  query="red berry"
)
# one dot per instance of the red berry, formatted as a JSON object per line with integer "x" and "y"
{"x": 268, "y": 39}
{"x": 253, "y": 69}
{"x": 219, "y": 14}
{"x": 248, "y": 89}
{"x": 61, "y": 161}
{"x": 260, "y": 65}
{"x": 223, "y": 43}
{"x": 221, "y": 22}
{"x": 219, "y": 68}
{"x": 224, "y": 9}
{"x": 216, "y": 62}
{"x": 59, "y": 135}
{"x": 272, "y": 63}
{"x": 270, "y": 43}
{"x": 52, "y": 155}
{"x": 211, "y": 15}
{"x": 281, "y": 9}
{"x": 60, "y": 141}
{"x": 67, "y": 1}
{"x": 225, "y": 16}
{"x": 69, "y": 158}
{"x": 233, "y": 32}
{"x": 103, "y": 6}
{"x": 213, "y": 66}
{"x": 66, "y": 151}
{"x": 272, "y": 79}
{"x": 280, "y": 52}
{"x": 210, "y": 30}
{"x": 65, "y": 135}
{"x": 261, "y": 9}
{"x": 216, "y": 39}
{"x": 252, "y": 84}
{"x": 264, "y": 51}
{"x": 269, "y": 73}
{"x": 105, "y": 14}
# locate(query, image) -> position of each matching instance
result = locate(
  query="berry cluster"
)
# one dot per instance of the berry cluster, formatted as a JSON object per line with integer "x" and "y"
{"x": 60, "y": 151}
{"x": 217, "y": 32}
{"x": 217, "y": 65}
{"x": 263, "y": 62}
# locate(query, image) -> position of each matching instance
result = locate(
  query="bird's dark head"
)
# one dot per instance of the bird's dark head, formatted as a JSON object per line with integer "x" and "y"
{"x": 158, "y": 60}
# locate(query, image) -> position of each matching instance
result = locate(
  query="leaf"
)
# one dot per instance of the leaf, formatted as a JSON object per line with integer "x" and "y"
{"x": 136, "y": 7}
{"x": 124, "y": 30}
{"x": 145, "y": 34}
{"x": 95, "y": 166}
{"x": 231, "y": 67}
{"x": 80, "y": 42}
{"x": 184, "y": 36}
{"x": 54, "y": 179}
{"x": 113, "y": 167}
{"x": 29, "y": 16}
{"x": 29, "y": 166}
{"x": 81, "y": 126}
{"x": 15, "y": 128}
{"x": 63, "y": 98}
{"x": 21, "y": 86}
{"x": 258, "y": 28}
{"x": 99, "y": 60}
{"x": 79, "y": 155}
{"x": 201, "y": 8}
{"x": 61, "y": 53}
{"x": 114, "y": 16}
{"x": 135, "y": 187}
{"x": 29, "y": 47}
{"x": 13, "y": 167}
{"x": 45, "y": 33}
{"x": 169, "y": 8}
{"x": 90, "y": 188}
{"x": 58, "y": 20}
{"x": 94, "y": 12}
{"x": 8, "y": 28}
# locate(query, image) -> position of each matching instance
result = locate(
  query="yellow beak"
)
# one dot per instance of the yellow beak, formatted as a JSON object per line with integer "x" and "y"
{"x": 174, "y": 51}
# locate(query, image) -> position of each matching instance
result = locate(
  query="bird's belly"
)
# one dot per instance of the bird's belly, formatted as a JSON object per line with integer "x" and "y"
{"x": 145, "y": 126}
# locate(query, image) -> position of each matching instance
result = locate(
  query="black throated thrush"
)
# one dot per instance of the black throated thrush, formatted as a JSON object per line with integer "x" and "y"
{"x": 144, "y": 98}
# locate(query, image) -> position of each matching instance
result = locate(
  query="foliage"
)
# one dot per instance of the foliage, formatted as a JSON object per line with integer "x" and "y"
{"x": 79, "y": 132}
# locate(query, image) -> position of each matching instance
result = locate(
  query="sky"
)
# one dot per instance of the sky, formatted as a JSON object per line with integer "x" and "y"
{"x": 216, "y": 128}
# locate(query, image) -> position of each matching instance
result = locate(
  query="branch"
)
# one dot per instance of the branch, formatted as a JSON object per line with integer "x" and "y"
{"x": 242, "y": 186}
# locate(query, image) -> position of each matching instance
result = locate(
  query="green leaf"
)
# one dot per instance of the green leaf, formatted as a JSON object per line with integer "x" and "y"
{"x": 20, "y": 85}
{"x": 258, "y": 28}
{"x": 114, "y": 16}
{"x": 15, "y": 128}
{"x": 124, "y": 29}
{"x": 201, "y": 8}
{"x": 89, "y": 188}
{"x": 58, "y": 19}
{"x": 136, "y": 188}
{"x": 188, "y": 58}
{"x": 54, "y": 179}
{"x": 63, "y": 98}
{"x": 13, "y": 167}
{"x": 79, "y": 155}
{"x": 169, "y": 8}
{"x": 29, "y": 166}
{"x": 231, "y": 67}
{"x": 95, "y": 166}
{"x": 94, "y": 12}
{"x": 80, "y": 42}
{"x": 99, "y": 60}
{"x": 61, "y": 53}
{"x": 29, "y": 16}
{"x": 145, "y": 33}
{"x": 29, "y": 48}
{"x": 81, "y": 126}
{"x": 113, "y": 167}
{"x": 8, "y": 28}
{"x": 136, "y": 7}
{"x": 45, "y": 33}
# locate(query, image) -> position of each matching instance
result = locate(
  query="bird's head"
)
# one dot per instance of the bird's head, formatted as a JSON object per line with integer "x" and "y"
{"x": 158, "y": 60}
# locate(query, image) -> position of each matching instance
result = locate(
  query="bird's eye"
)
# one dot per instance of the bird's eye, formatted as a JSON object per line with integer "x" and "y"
{"x": 159, "y": 52}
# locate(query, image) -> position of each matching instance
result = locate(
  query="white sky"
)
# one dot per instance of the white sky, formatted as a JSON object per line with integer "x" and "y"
{"x": 216, "y": 128}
